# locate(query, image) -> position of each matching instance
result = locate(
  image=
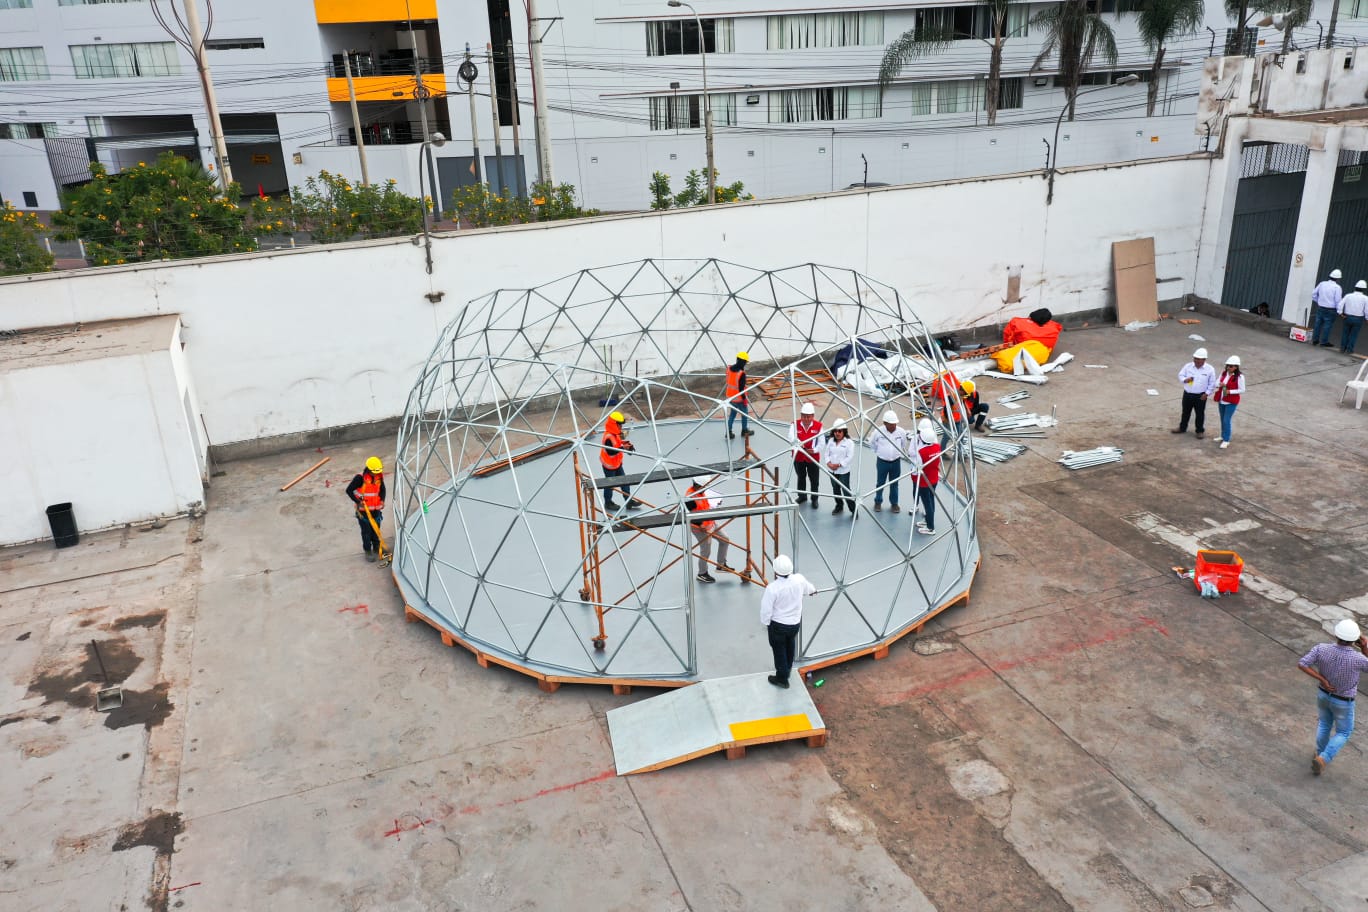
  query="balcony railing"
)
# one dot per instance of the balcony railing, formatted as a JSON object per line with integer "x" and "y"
{"x": 388, "y": 63}
{"x": 392, "y": 133}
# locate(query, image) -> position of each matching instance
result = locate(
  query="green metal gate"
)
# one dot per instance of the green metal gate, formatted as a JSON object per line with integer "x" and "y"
{"x": 1261, "y": 240}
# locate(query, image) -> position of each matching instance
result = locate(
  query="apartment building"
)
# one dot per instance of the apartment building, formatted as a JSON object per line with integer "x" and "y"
{"x": 794, "y": 92}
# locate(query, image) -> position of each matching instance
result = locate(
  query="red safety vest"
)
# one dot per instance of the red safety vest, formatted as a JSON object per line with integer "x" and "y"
{"x": 611, "y": 454}
{"x": 701, "y": 503}
{"x": 807, "y": 435}
{"x": 369, "y": 492}
{"x": 930, "y": 460}
{"x": 1226, "y": 397}
{"x": 734, "y": 389}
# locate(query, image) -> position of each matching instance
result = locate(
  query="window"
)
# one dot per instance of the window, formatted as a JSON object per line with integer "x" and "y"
{"x": 799, "y": 105}
{"x": 16, "y": 4}
{"x": 685, "y": 112}
{"x": 121, "y": 61}
{"x": 30, "y": 200}
{"x": 969, "y": 22}
{"x": 680, "y": 36}
{"x": 19, "y": 64}
{"x": 1232, "y": 42}
{"x": 958, "y": 96}
{"x": 1106, "y": 77}
{"x": 27, "y": 130}
{"x": 1009, "y": 94}
{"x": 233, "y": 44}
{"x": 824, "y": 30}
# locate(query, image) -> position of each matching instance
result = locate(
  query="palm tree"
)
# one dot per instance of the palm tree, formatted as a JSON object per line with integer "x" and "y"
{"x": 1079, "y": 35}
{"x": 1159, "y": 22}
{"x": 1295, "y": 14}
{"x": 919, "y": 42}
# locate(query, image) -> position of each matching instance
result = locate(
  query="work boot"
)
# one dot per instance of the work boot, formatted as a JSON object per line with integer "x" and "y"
{"x": 836, "y": 511}
{"x": 814, "y": 503}
{"x": 1317, "y": 764}
{"x": 748, "y": 433}
{"x": 878, "y": 507}
{"x": 896, "y": 508}
{"x": 802, "y": 498}
{"x": 635, "y": 505}
{"x": 370, "y": 557}
{"x": 778, "y": 681}
{"x": 731, "y": 435}
{"x": 1178, "y": 431}
{"x": 1201, "y": 434}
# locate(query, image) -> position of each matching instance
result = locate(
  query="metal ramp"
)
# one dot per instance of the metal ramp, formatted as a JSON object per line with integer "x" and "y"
{"x": 727, "y": 714}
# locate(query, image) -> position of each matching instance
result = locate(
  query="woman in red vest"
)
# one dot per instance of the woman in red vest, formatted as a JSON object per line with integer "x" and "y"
{"x": 368, "y": 489}
{"x": 1229, "y": 387}
{"x": 805, "y": 435}
{"x": 926, "y": 471}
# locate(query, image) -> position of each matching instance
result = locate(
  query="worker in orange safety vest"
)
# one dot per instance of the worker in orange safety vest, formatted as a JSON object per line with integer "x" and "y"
{"x": 696, "y": 499}
{"x": 615, "y": 447}
{"x": 738, "y": 402}
{"x": 368, "y": 488}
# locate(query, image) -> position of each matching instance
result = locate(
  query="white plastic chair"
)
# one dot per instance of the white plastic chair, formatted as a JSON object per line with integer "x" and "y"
{"x": 1359, "y": 385}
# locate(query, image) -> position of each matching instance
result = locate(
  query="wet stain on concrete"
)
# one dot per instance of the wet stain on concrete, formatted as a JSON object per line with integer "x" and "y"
{"x": 148, "y": 708}
{"x": 10, "y": 721}
{"x": 76, "y": 687}
{"x": 24, "y": 636}
{"x": 159, "y": 832}
{"x": 150, "y": 619}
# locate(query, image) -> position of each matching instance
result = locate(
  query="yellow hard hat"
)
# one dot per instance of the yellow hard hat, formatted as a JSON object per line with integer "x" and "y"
{"x": 374, "y": 464}
{"x": 742, "y": 356}
{"x": 968, "y": 386}
{"x": 618, "y": 417}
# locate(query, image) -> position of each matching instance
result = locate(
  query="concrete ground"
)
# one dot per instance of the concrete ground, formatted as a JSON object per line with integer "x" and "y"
{"x": 1085, "y": 734}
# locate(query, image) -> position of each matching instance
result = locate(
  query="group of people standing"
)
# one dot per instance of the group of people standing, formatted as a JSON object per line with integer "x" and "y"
{"x": 1328, "y": 300}
{"x": 1200, "y": 383}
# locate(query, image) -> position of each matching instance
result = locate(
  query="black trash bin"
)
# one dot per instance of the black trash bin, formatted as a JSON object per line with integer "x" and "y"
{"x": 63, "y": 523}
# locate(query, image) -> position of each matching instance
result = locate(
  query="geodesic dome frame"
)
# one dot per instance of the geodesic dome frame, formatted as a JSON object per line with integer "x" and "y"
{"x": 504, "y": 542}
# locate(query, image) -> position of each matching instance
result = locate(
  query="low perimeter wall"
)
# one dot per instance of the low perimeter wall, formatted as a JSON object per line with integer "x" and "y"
{"x": 299, "y": 345}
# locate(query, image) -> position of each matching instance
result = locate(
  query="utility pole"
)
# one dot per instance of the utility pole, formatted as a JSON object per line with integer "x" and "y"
{"x": 356, "y": 119}
{"x": 707, "y": 102}
{"x": 517, "y": 119}
{"x": 539, "y": 107}
{"x": 468, "y": 73}
{"x": 192, "y": 28}
{"x": 494, "y": 112}
{"x": 421, "y": 93}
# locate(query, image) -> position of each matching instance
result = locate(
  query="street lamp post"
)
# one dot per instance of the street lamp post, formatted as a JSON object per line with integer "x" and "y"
{"x": 707, "y": 102}
{"x": 1127, "y": 80}
{"x": 437, "y": 140}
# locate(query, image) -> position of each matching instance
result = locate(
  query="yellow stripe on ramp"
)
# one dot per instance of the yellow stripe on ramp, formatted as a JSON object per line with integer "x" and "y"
{"x": 776, "y": 725}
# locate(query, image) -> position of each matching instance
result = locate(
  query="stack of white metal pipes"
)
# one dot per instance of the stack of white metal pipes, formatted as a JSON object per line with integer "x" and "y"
{"x": 1014, "y": 397}
{"x": 1027, "y": 425}
{"x": 1083, "y": 459}
{"x": 993, "y": 452}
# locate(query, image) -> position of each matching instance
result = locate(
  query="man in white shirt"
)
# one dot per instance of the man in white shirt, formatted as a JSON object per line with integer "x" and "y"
{"x": 781, "y": 611}
{"x": 1325, "y": 301}
{"x": 1353, "y": 307}
{"x": 889, "y": 443}
{"x": 1198, "y": 380}
{"x": 837, "y": 456}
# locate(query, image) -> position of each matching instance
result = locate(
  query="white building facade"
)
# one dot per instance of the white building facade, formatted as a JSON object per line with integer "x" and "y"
{"x": 794, "y": 93}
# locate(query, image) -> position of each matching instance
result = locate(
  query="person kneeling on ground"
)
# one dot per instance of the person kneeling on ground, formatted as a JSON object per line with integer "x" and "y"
{"x": 978, "y": 411}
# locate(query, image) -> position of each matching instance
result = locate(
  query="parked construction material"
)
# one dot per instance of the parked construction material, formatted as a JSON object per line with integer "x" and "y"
{"x": 1014, "y": 397}
{"x": 305, "y": 474}
{"x": 1083, "y": 459}
{"x": 994, "y": 452}
{"x": 1023, "y": 421}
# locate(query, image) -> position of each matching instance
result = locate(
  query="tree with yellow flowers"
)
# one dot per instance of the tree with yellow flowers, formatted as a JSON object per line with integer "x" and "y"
{"x": 21, "y": 248}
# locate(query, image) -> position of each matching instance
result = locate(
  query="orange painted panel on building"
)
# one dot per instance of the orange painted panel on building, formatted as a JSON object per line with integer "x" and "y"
{"x": 331, "y": 11}
{"x": 383, "y": 88}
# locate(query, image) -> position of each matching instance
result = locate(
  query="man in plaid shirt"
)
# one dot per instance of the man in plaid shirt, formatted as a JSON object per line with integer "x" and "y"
{"x": 1336, "y": 667}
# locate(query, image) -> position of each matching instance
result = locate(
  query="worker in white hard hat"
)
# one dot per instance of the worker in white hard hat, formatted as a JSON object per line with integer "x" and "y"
{"x": 1325, "y": 300}
{"x": 1230, "y": 386}
{"x": 1336, "y": 667}
{"x": 738, "y": 400}
{"x": 697, "y": 498}
{"x": 926, "y": 466}
{"x": 367, "y": 489}
{"x": 781, "y": 611}
{"x": 1198, "y": 380}
{"x": 805, "y": 438}
{"x": 889, "y": 443}
{"x": 1353, "y": 307}
{"x": 838, "y": 453}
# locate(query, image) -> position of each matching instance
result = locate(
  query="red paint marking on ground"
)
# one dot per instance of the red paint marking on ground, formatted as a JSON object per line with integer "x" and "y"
{"x": 355, "y": 609}
{"x": 1046, "y": 656}
{"x": 477, "y": 809}
{"x": 1153, "y": 624}
{"x": 184, "y": 887}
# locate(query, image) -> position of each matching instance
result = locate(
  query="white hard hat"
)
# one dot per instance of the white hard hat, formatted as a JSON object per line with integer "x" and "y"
{"x": 783, "y": 567}
{"x": 839, "y": 425}
{"x": 1360, "y": 285}
{"x": 1345, "y": 630}
{"x": 698, "y": 481}
{"x": 890, "y": 417}
{"x": 1233, "y": 360}
{"x": 926, "y": 430}
{"x": 1336, "y": 274}
{"x": 809, "y": 408}
{"x": 1200, "y": 353}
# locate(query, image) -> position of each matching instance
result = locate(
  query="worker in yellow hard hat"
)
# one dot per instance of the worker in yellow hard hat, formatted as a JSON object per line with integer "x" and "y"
{"x": 368, "y": 489}
{"x": 977, "y": 411}
{"x": 738, "y": 402}
{"x": 615, "y": 447}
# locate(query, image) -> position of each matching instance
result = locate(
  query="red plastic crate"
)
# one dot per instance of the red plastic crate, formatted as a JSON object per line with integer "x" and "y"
{"x": 1221, "y": 567}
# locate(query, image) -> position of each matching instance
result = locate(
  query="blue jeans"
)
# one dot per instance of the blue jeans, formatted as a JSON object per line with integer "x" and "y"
{"x": 1325, "y": 323}
{"x": 1227, "y": 415}
{"x": 739, "y": 408}
{"x": 927, "y": 495}
{"x": 1334, "y": 713}
{"x": 886, "y": 472}
{"x": 1349, "y": 336}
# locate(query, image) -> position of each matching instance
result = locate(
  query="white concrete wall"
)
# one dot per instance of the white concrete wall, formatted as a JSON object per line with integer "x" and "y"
{"x": 111, "y": 436}
{"x": 325, "y": 337}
